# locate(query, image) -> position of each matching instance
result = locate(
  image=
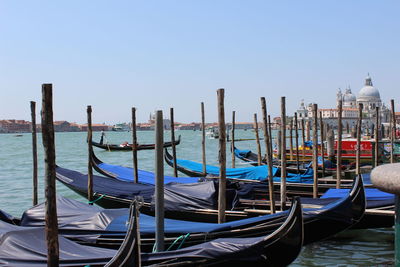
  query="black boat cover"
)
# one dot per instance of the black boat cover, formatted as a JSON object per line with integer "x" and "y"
{"x": 201, "y": 195}
{"x": 85, "y": 223}
{"x": 26, "y": 246}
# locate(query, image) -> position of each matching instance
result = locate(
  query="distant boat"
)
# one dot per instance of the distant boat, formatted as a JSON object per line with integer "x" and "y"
{"x": 213, "y": 132}
{"x": 18, "y": 135}
{"x": 128, "y": 147}
{"x": 117, "y": 129}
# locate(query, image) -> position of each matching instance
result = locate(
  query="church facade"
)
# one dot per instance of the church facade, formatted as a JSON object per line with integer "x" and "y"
{"x": 369, "y": 97}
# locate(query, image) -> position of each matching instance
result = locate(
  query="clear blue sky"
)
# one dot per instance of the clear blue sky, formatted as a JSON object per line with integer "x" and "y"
{"x": 160, "y": 54}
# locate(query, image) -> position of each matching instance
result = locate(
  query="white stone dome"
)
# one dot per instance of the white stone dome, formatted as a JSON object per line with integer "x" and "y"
{"x": 348, "y": 96}
{"x": 369, "y": 92}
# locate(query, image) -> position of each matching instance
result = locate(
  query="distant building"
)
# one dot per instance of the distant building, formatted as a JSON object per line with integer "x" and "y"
{"x": 65, "y": 126}
{"x": 15, "y": 126}
{"x": 144, "y": 127}
{"x": 397, "y": 116}
{"x": 243, "y": 125}
{"x": 95, "y": 127}
{"x": 189, "y": 126}
{"x": 368, "y": 97}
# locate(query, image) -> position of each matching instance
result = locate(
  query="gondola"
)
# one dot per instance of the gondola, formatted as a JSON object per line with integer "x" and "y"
{"x": 126, "y": 173}
{"x": 20, "y": 246}
{"x": 329, "y": 217}
{"x": 88, "y": 224}
{"x": 379, "y": 204}
{"x": 128, "y": 147}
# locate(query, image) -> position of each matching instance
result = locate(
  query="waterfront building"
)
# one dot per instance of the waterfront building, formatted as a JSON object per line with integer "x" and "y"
{"x": 15, "y": 126}
{"x": 368, "y": 96}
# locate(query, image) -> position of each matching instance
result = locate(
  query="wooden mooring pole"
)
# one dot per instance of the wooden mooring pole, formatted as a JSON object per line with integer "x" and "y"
{"x": 51, "y": 228}
{"x": 203, "y": 139}
{"x": 322, "y": 137}
{"x": 315, "y": 150}
{"x": 34, "y": 154}
{"x": 308, "y": 130}
{"x": 358, "y": 148}
{"x": 221, "y": 157}
{"x": 134, "y": 147}
{"x": 330, "y": 144}
{"x": 283, "y": 153}
{"x": 296, "y": 129}
{"x": 268, "y": 151}
{"x": 259, "y": 157}
{"x": 339, "y": 147}
{"x": 392, "y": 131}
{"x": 173, "y": 141}
{"x": 303, "y": 139}
{"x": 376, "y": 137}
{"x": 159, "y": 194}
{"x": 291, "y": 139}
{"x": 90, "y": 152}
{"x": 271, "y": 176}
{"x": 233, "y": 139}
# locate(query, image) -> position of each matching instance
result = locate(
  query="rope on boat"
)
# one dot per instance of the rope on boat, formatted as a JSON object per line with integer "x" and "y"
{"x": 183, "y": 237}
{"x": 175, "y": 241}
{"x": 94, "y": 201}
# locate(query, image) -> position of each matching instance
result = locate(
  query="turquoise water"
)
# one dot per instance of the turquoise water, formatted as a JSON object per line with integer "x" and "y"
{"x": 352, "y": 248}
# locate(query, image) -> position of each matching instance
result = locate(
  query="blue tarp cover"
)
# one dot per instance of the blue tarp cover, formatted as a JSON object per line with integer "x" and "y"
{"x": 370, "y": 193}
{"x": 259, "y": 173}
{"x": 147, "y": 224}
{"x": 145, "y": 177}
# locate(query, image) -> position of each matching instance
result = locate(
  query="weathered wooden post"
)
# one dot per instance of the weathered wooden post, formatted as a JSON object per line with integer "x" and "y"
{"x": 34, "y": 154}
{"x": 291, "y": 139}
{"x": 233, "y": 139}
{"x": 221, "y": 156}
{"x": 321, "y": 123}
{"x": 51, "y": 227}
{"x": 308, "y": 130}
{"x": 303, "y": 140}
{"x": 330, "y": 141}
{"x": 268, "y": 151}
{"x": 296, "y": 128}
{"x": 376, "y": 137}
{"x": 90, "y": 152}
{"x": 387, "y": 178}
{"x": 283, "y": 153}
{"x": 159, "y": 192}
{"x": 339, "y": 146}
{"x": 138, "y": 254}
{"x": 358, "y": 148}
{"x": 315, "y": 150}
{"x": 279, "y": 144}
{"x": 392, "y": 131}
{"x": 203, "y": 139}
{"x": 173, "y": 141}
{"x": 347, "y": 127}
{"x": 134, "y": 147}
{"x": 259, "y": 157}
{"x": 354, "y": 132}
{"x": 270, "y": 136}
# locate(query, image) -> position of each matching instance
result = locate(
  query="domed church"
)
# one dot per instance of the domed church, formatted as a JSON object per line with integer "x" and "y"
{"x": 368, "y": 96}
